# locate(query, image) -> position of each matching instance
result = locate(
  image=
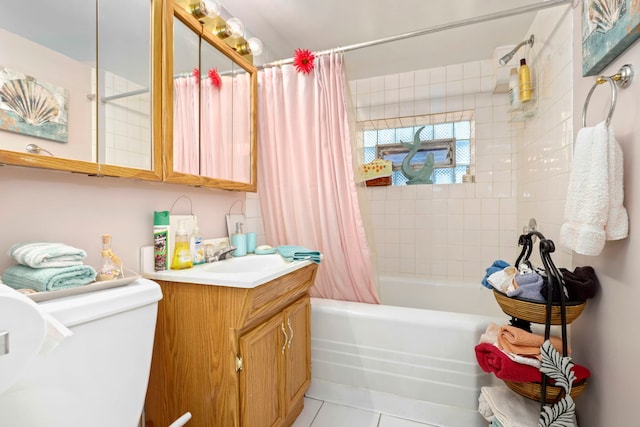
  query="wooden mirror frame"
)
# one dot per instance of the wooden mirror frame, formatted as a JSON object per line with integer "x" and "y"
{"x": 174, "y": 10}
{"x": 93, "y": 168}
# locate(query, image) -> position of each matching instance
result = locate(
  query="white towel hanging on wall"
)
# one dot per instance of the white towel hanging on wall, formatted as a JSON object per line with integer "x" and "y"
{"x": 594, "y": 210}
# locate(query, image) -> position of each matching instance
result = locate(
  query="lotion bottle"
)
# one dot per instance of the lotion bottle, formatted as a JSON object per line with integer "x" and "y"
{"x": 524, "y": 75}
{"x": 239, "y": 241}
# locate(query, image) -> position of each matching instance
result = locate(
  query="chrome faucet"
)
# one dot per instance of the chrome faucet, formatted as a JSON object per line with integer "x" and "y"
{"x": 221, "y": 254}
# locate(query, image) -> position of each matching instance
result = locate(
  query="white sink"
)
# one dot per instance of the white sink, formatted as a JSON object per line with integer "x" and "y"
{"x": 248, "y": 264}
{"x": 240, "y": 272}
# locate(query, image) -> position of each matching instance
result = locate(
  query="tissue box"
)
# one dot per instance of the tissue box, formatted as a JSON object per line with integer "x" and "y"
{"x": 375, "y": 169}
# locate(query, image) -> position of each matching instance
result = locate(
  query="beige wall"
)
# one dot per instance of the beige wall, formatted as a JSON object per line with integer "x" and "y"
{"x": 604, "y": 336}
{"x": 40, "y": 205}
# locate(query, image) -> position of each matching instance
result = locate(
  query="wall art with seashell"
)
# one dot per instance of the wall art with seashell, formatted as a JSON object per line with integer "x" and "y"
{"x": 32, "y": 107}
{"x": 609, "y": 27}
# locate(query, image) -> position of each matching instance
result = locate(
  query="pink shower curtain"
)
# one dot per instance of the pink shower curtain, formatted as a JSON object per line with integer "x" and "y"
{"x": 186, "y": 147}
{"x": 225, "y": 128}
{"x": 307, "y": 189}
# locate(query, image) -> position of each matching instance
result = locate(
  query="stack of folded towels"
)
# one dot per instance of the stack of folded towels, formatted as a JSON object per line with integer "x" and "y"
{"x": 44, "y": 266}
{"x": 513, "y": 354}
{"x": 299, "y": 253}
{"x": 503, "y": 408}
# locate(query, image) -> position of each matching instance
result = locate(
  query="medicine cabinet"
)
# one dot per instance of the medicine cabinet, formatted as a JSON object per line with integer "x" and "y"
{"x": 80, "y": 86}
{"x": 209, "y": 105}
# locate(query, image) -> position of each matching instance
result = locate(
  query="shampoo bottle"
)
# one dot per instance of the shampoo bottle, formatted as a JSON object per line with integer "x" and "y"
{"x": 239, "y": 241}
{"x": 181, "y": 252}
{"x": 525, "y": 81}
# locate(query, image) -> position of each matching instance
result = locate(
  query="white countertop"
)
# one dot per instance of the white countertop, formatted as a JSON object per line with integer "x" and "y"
{"x": 200, "y": 274}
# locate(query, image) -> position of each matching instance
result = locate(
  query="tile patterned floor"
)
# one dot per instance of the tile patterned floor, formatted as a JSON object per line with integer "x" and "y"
{"x": 317, "y": 413}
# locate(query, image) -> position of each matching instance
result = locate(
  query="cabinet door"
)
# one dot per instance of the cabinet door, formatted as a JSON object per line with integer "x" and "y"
{"x": 261, "y": 388}
{"x": 298, "y": 354}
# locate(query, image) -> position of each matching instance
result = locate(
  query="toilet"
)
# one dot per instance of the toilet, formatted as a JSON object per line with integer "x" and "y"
{"x": 98, "y": 375}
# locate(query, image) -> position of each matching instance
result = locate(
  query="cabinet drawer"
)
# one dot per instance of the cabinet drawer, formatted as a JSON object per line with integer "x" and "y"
{"x": 270, "y": 298}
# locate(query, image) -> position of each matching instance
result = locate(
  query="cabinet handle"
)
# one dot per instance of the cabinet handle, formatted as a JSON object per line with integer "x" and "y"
{"x": 286, "y": 338}
{"x": 290, "y": 332}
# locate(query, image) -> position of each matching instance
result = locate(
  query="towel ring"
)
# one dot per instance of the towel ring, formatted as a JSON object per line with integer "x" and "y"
{"x": 614, "y": 96}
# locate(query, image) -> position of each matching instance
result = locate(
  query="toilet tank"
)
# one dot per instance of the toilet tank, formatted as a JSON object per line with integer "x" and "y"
{"x": 96, "y": 377}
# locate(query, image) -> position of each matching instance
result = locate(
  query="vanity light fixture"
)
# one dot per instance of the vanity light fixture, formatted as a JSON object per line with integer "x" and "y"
{"x": 233, "y": 28}
{"x": 204, "y": 8}
{"x": 252, "y": 46}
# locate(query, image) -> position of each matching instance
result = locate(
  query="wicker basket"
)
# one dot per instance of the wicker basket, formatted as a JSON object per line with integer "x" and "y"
{"x": 533, "y": 391}
{"x": 535, "y": 311}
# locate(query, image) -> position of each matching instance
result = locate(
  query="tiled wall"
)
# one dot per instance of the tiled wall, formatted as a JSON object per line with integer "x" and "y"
{"x": 544, "y": 142}
{"x": 127, "y": 125}
{"x": 445, "y": 232}
{"x": 453, "y": 232}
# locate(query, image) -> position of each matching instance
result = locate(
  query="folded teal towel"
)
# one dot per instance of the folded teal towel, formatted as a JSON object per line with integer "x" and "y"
{"x": 48, "y": 279}
{"x": 45, "y": 254}
{"x": 299, "y": 253}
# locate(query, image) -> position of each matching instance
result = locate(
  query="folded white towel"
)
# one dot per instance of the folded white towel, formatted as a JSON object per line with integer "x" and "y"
{"x": 595, "y": 193}
{"x": 510, "y": 408}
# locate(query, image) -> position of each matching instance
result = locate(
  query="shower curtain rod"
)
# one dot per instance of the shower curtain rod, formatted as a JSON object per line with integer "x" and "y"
{"x": 434, "y": 29}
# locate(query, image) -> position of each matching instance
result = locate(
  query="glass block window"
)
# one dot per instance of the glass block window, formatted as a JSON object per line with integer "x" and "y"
{"x": 439, "y": 129}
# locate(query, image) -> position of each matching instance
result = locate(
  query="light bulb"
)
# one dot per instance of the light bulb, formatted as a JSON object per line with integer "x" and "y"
{"x": 255, "y": 46}
{"x": 235, "y": 28}
{"x": 211, "y": 8}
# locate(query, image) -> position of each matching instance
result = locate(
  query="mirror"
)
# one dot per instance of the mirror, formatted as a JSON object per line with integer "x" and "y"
{"x": 212, "y": 93}
{"x": 76, "y": 86}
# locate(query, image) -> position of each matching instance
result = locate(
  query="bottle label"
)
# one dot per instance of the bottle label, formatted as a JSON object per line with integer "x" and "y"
{"x": 160, "y": 250}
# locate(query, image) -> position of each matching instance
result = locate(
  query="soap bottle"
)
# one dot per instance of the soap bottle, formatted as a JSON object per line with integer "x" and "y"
{"x": 181, "y": 252}
{"x": 198, "y": 249}
{"x": 524, "y": 75}
{"x": 239, "y": 241}
{"x": 514, "y": 89}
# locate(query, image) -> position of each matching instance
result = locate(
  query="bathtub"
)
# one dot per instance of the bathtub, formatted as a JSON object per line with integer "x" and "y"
{"x": 408, "y": 362}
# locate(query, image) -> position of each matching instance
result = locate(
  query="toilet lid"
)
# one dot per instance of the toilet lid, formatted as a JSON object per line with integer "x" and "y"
{"x": 23, "y": 330}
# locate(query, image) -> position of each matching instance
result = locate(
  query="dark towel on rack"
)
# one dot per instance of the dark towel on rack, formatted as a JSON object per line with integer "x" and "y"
{"x": 581, "y": 284}
{"x": 493, "y": 360}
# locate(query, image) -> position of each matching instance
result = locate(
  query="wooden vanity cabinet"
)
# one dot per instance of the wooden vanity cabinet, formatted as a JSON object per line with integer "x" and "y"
{"x": 232, "y": 356}
{"x": 276, "y": 370}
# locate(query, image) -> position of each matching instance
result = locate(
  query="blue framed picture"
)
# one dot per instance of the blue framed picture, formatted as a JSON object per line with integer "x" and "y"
{"x": 609, "y": 27}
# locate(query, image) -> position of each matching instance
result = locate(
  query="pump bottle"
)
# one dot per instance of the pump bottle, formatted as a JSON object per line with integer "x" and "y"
{"x": 182, "y": 252}
{"x": 239, "y": 241}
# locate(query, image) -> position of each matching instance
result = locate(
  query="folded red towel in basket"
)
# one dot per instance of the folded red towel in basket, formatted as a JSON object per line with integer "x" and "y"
{"x": 493, "y": 360}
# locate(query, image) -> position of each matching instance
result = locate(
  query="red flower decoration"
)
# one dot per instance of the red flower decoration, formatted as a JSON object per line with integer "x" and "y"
{"x": 196, "y": 75}
{"x": 303, "y": 60}
{"x": 215, "y": 78}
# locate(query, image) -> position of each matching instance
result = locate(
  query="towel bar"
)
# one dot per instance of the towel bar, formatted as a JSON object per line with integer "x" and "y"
{"x": 621, "y": 79}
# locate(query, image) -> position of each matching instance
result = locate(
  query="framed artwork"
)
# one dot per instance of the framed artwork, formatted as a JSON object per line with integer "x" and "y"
{"x": 32, "y": 107}
{"x": 608, "y": 28}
